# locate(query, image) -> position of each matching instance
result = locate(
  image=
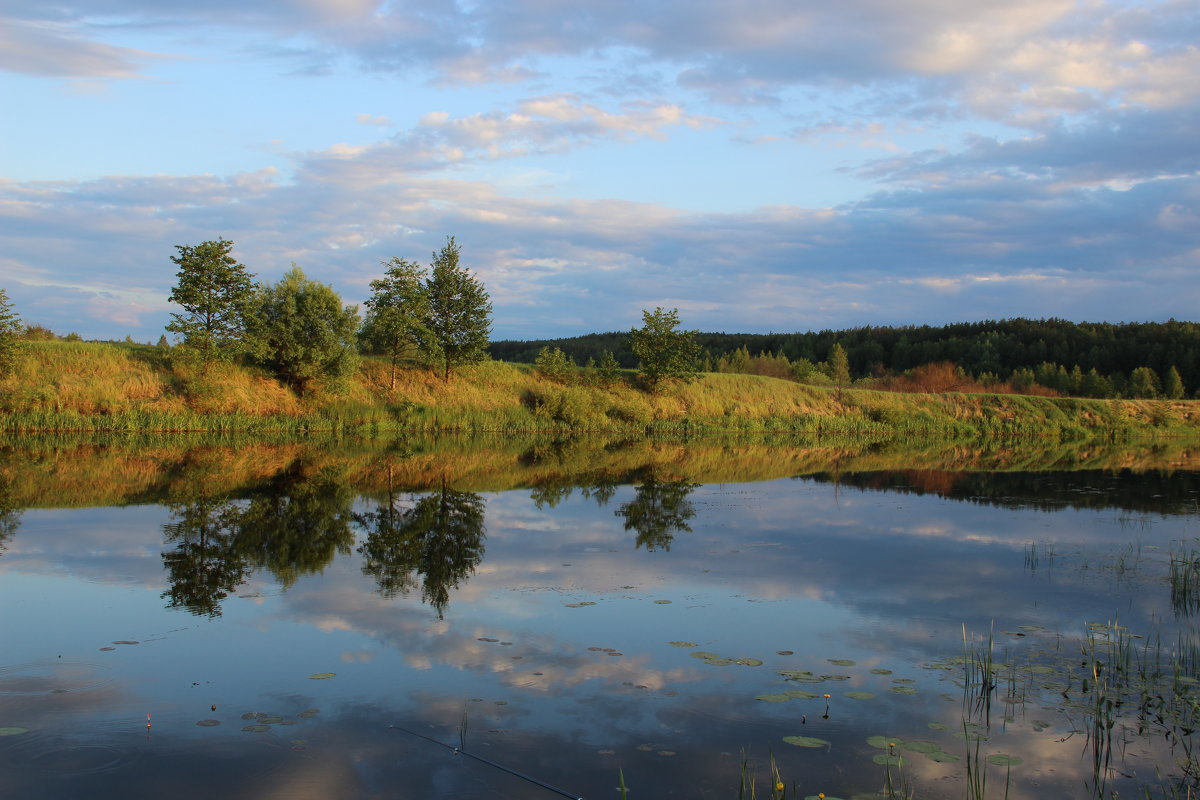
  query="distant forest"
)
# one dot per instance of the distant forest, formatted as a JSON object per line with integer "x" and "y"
{"x": 1050, "y": 356}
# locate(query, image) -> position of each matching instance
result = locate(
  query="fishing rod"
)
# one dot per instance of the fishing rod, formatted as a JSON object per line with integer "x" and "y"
{"x": 462, "y": 750}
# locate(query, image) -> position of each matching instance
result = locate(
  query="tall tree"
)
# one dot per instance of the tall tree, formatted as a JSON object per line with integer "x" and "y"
{"x": 1173, "y": 384}
{"x": 214, "y": 290}
{"x": 300, "y": 329}
{"x": 664, "y": 352}
{"x": 397, "y": 312}
{"x": 460, "y": 313}
{"x": 10, "y": 335}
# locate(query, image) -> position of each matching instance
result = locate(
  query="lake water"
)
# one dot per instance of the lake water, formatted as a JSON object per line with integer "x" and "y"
{"x": 275, "y": 622}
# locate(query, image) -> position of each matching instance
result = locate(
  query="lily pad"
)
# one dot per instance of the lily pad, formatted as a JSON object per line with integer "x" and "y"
{"x": 921, "y": 746}
{"x": 1004, "y": 760}
{"x": 209, "y": 723}
{"x": 703, "y": 654}
{"x": 773, "y": 698}
{"x": 257, "y": 728}
{"x": 942, "y": 757}
{"x": 881, "y": 671}
{"x": 718, "y": 662}
{"x": 884, "y": 742}
{"x": 841, "y": 662}
{"x": 682, "y": 644}
{"x": 320, "y": 676}
{"x": 662, "y": 602}
{"x": 887, "y": 759}
{"x": 800, "y": 694}
{"x": 270, "y": 720}
{"x": 308, "y": 713}
{"x": 860, "y": 694}
{"x": 13, "y": 731}
{"x": 904, "y": 690}
{"x": 806, "y": 741}
{"x": 748, "y": 662}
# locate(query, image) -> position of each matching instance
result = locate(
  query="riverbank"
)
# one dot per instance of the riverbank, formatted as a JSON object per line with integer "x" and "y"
{"x": 112, "y": 387}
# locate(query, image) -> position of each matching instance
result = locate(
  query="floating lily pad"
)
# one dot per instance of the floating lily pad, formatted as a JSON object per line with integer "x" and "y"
{"x": 773, "y": 698}
{"x": 209, "y": 723}
{"x": 903, "y": 680}
{"x": 904, "y": 690}
{"x": 718, "y": 662}
{"x": 257, "y": 728}
{"x": 662, "y": 602}
{"x": 806, "y": 741}
{"x": 785, "y": 652}
{"x": 581, "y": 604}
{"x": 938, "y": 726}
{"x": 486, "y": 639}
{"x": 881, "y": 671}
{"x": 320, "y": 676}
{"x": 1004, "y": 760}
{"x": 270, "y": 720}
{"x": 841, "y": 662}
{"x": 126, "y": 641}
{"x": 800, "y": 694}
{"x": 860, "y": 694}
{"x": 921, "y": 746}
{"x": 835, "y": 677}
{"x": 748, "y": 662}
{"x": 703, "y": 654}
{"x": 942, "y": 757}
{"x": 501, "y": 702}
{"x": 108, "y": 648}
{"x": 682, "y": 644}
{"x": 887, "y": 759}
{"x": 884, "y": 742}
{"x": 13, "y": 731}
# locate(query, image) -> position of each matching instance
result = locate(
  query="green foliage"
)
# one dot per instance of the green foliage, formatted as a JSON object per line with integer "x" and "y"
{"x": 664, "y": 352}
{"x": 607, "y": 370}
{"x": 301, "y": 332}
{"x": 10, "y": 330}
{"x": 460, "y": 314}
{"x": 1173, "y": 385}
{"x": 555, "y": 365}
{"x": 398, "y": 312}
{"x": 214, "y": 290}
{"x": 839, "y": 365}
{"x": 1143, "y": 382}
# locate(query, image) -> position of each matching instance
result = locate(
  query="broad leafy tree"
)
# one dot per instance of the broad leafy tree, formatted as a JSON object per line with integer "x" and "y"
{"x": 214, "y": 290}
{"x": 300, "y": 330}
{"x": 664, "y": 352}
{"x": 397, "y": 312}
{"x": 1173, "y": 384}
{"x": 460, "y": 314}
{"x": 10, "y": 335}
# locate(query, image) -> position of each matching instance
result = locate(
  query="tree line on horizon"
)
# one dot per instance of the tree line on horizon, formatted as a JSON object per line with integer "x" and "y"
{"x": 1047, "y": 356}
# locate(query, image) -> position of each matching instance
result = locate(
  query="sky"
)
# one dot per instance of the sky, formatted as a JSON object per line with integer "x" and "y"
{"x": 760, "y": 165}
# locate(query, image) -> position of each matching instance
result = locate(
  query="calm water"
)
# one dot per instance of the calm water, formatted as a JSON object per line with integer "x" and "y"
{"x": 304, "y": 637}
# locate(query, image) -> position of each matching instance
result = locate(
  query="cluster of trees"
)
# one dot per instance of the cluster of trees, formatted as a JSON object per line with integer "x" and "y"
{"x": 299, "y": 328}
{"x": 1085, "y": 359}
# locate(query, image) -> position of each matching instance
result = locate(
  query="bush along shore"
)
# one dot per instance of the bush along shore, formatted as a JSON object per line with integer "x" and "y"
{"x": 88, "y": 386}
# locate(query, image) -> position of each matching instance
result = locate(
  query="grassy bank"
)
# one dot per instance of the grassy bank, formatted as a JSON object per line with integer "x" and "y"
{"x": 87, "y": 386}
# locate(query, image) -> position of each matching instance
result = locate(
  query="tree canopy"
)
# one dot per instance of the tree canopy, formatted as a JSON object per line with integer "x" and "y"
{"x": 398, "y": 312}
{"x": 214, "y": 290}
{"x": 459, "y": 319}
{"x": 664, "y": 352}
{"x": 300, "y": 330}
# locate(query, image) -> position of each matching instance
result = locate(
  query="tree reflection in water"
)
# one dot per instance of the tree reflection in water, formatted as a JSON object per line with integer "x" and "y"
{"x": 293, "y": 526}
{"x": 658, "y": 510}
{"x": 440, "y": 538}
{"x": 10, "y": 514}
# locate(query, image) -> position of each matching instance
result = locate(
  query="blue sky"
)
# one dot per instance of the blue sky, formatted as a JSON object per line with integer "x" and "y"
{"x": 765, "y": 165}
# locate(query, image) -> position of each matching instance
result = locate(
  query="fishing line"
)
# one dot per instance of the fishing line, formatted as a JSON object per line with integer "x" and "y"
{"x": 462, "y": 751}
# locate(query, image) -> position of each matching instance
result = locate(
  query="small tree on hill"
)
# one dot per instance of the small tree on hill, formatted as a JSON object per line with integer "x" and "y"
{"x": 398, "y": 312}
{"x": 554, "y": 364}
{"x": 1173, "y": 384}
{"x": 10, "y": 333}
{"x": 664, "y": 352}
{"x": 214, "y": 290}
{"x": 460, "y": 314}
{"x": 300, "y": 330}
{"x": 839, "y": 368}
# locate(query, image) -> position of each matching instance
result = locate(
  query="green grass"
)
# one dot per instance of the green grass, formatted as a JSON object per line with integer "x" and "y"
{"x": 89, "y": 386}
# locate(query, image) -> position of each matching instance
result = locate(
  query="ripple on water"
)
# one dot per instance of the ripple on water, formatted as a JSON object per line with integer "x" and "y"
{"x": 53, "y": 677}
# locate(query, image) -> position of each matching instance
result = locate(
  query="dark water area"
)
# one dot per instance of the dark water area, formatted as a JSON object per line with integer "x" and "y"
{"x": 308, "y": 633}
